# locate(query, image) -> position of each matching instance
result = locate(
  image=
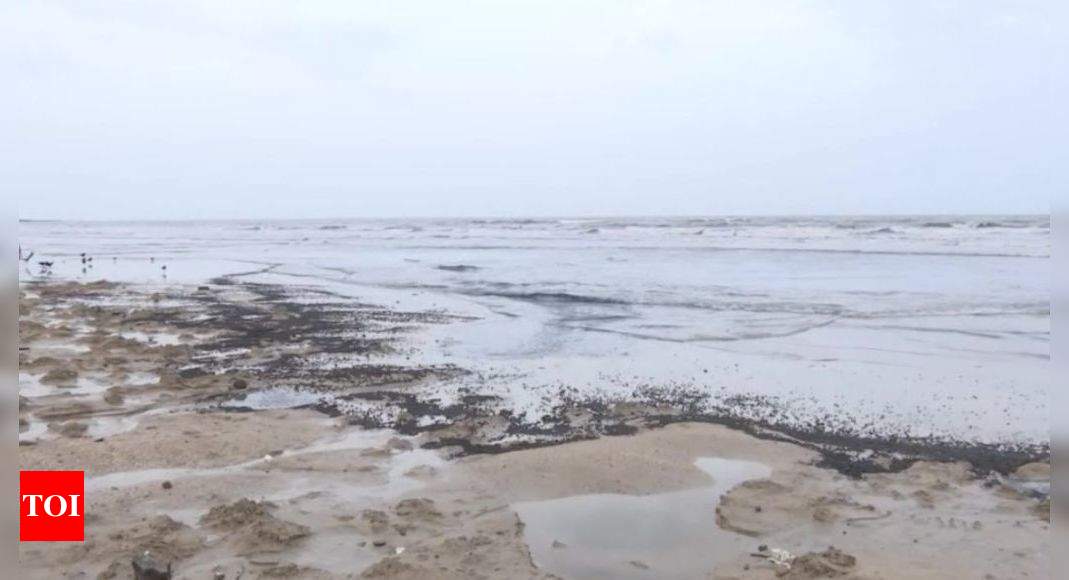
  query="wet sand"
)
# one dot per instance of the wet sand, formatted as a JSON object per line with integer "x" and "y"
{"x": 156, "y": 397}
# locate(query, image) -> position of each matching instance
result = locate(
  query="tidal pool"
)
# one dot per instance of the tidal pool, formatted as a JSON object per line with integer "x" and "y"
{"x": 664, "y": 535}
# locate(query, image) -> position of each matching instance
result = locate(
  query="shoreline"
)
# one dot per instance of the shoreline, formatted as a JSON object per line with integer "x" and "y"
{"x": 328, "y": 332}
{"x": 94, "y": 350}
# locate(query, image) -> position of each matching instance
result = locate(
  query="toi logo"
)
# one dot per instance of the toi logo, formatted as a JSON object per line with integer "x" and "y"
{"x": 51, "y": 506}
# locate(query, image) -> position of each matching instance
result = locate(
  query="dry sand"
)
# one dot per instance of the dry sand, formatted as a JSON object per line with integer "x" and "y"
{"x": 295, "y": 493}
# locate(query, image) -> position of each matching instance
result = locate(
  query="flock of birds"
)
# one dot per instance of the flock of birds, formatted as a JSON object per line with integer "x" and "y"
{"x": 45, "y": 266}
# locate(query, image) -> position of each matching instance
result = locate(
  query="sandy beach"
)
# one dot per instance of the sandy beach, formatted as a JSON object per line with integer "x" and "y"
{"x": 201, "y": 455}
{"x": 602, "y": 290}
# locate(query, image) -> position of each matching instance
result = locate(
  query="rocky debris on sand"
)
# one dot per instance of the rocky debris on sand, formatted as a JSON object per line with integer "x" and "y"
{"x": 239, "y": 384}
{"x": 147, "y": 567}
{"x": 162, "y": 537}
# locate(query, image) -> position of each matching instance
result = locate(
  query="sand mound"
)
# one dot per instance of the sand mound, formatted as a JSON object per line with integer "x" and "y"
{"x": 162, "y": 537}
{"x": 830, "y": 563}
{"x": 393, "y": 567}
{"x": 61, "y": 376}
{"x": 421, "y": 509}
{"x": 254, "y": 527}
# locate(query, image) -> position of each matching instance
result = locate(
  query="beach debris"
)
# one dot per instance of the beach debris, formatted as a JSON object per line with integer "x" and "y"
{"x": 827, "y": 564}
{"x": 239, "y": 384}
{"x": 167, "y": 485}
{"x": 147, "y": 567}
{"x": 781, "y": 559}
{"x": 857, "y": 519}
{"x": 558, "y": 544}
{"x": 639, "y": 564}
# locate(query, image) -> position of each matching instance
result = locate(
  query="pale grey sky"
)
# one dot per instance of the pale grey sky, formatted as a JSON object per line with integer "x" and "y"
{"x": 254, "y": 108}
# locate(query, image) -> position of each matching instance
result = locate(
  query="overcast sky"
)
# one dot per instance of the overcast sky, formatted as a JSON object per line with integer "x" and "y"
{"x": 254, "y": 108}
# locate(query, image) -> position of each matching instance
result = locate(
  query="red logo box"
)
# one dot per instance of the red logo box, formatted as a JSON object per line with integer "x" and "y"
{"x": 51, "y": 506}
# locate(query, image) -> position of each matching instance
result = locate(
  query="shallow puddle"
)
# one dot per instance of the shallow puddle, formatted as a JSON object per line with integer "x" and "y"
{"x": 33, "y": 432}
{"x": 275, "y": 398}
{"x": 154, "y": 338}
{"x": 667, "y": 535}
{"x": 142, "y": 378}
{"x": 356, "y": 439}
{"x": 31, "y": 386}
{"x": 104, "y": 427}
